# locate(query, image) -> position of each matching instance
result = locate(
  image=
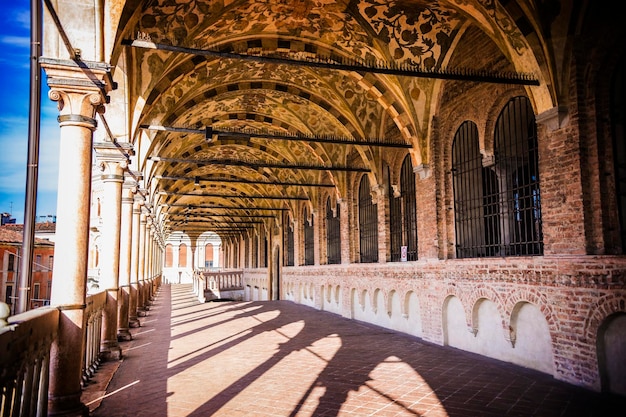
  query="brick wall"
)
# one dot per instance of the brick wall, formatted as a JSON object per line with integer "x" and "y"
{"x": 575, "y": 295}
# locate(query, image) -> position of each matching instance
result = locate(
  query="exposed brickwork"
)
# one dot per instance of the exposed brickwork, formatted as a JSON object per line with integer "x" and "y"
{"x": 575, "y": 294}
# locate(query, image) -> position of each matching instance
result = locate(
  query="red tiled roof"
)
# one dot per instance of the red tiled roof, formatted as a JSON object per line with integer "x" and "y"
{"x": 39, "y": 227}
{"x": 9, "y": 234}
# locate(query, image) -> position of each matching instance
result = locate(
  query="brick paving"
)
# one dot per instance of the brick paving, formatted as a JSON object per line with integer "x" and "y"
{"x": 280, "y": 359}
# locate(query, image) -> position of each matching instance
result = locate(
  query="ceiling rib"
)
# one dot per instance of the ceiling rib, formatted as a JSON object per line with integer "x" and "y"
{"x": 199, "y": 216}
{"x": 338, "y": 63}
{"x": 243, "y": 181}
{"x": 244, "y": 196}
{"x": 213, "y": 207}
{"x": 212, "y": 134}
{"x": 257, "y": 164}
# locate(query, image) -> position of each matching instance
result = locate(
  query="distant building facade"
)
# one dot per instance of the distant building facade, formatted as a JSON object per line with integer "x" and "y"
{"x": 11, "y": 251}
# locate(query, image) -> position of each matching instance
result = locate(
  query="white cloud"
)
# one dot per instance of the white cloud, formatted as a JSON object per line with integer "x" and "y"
{"x": 20, "y": 41}
{"x": 23, "y": 18}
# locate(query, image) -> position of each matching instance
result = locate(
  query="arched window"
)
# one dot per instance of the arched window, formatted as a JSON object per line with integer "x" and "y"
{"x": 618, "y": 125}
{"x": 476, "y": 200}
{"x": 289, "y": 244}
{"x": 516, "y": 167}
{"x": 309, "y": 252}
{"x": 403, "y": 215}
{"x": 368, "y": 223}
{"x": 333, "y": 234}
{"x": 208, "y": 255}
{"x": 182, "y": 255}
{"x": 169, "y": 256}
{"x": 498, "y": 206}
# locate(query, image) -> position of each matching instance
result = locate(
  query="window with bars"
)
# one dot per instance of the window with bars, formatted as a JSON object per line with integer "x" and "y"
{"x": 289, "y": 243}
{"x": 246, "y": 250}
{"x": 333, "y": 234}
{"x": 309, "y": 253}
{"x": 263, "y": 257}
{"x": 498, "y": 207}
{"x": 255, "y": 251}
{"x": 618, "y": 127}
{"x": 368, "y": 223}
{"x": 403, "y": 215}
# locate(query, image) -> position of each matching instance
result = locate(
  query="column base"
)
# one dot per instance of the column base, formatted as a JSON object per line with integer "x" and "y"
{"x": 133, "y": 323}
{"x": 67, "y": 406}
{"x": 142, "y": 313}
{"x": 123, "y": 335}
{"x": 110, "y": 351}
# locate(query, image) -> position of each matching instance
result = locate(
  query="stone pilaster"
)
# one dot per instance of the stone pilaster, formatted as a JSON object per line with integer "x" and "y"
{"x": 344, "y": 225}
{"x": 379, "y": 197}
{"x": 317, "y": 239}
{"x": 79, "y": 92}
{"x": 112, "y": 164}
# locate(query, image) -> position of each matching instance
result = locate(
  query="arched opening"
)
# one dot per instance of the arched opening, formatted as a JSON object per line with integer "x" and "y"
{"x": 611, "y": 348}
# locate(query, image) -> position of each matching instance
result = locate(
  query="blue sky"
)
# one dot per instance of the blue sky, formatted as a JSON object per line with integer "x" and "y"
{"x": 14, "y": 96}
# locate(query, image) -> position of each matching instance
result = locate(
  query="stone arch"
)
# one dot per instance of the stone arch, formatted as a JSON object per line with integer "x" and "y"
{"x": 486, "y": 137}
{"x": 454, "y": 322}
{"x": 535, "y": 297}
{"x": 487, "y": 293}
{"x": 531, "y": 337}
{"x": 606, "y": 306}
{"x": 611, "y": 351}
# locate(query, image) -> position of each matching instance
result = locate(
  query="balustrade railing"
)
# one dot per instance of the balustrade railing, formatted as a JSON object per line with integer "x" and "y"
{"x": 216, "y": 281}
{"x": 93, "y": 316}
{"x": 25, "y": 341}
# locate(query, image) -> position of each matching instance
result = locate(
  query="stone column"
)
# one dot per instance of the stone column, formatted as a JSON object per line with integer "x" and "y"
{"x": 141, "y": 301}
{"x": 151, "y": 245}
{"x": 133, "y": 321}
{"x": 112, "y": 163}
{"x": 78, "y": 93}
{"x": 123, "y": 317}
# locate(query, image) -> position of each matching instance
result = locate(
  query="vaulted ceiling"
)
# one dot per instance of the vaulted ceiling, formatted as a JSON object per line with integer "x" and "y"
{"x": 242, "y": 110}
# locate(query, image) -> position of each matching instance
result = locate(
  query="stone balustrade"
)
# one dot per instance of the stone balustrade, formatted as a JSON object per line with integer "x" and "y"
{"x": 223, "y": 284}
{"x": 25, "y": 341}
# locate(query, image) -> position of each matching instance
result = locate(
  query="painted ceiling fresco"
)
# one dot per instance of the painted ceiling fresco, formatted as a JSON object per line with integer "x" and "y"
{"x": 187, "y": 89}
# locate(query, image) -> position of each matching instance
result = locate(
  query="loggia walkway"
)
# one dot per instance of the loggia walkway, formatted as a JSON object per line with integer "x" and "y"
{"x": 277, "y": 358}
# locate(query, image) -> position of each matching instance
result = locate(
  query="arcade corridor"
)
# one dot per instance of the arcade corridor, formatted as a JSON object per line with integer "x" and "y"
{"x": 277, "y": 358}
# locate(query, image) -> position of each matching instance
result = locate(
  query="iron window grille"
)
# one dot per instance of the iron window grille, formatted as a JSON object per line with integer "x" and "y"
{"x": 403, "y": 215}
{"x": 264, "y": 253}
{"x": 289, "y": 242}
{"x": 255, "y": 251}
{"x": 498, "y": 206}
{"x": 309, "y": 255}
{"x": 246, "y": 250}
{"x": 333, "y": 234}
{"x": 368, "y": 224}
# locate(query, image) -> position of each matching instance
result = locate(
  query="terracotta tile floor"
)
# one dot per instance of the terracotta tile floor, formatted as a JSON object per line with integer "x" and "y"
{"x": 281, "y": 359}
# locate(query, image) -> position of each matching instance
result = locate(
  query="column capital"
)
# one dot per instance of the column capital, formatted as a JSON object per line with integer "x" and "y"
{"x": 112, "y": 155}
{"x": 79, "y": 88}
